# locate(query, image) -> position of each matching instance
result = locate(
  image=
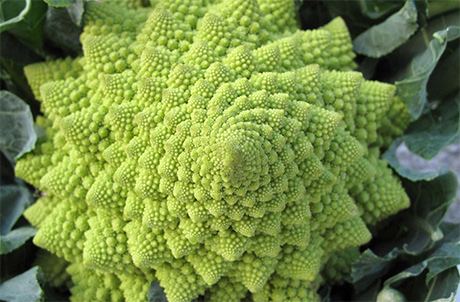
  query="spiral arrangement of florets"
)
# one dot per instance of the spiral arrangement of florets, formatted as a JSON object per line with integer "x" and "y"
{"x": 211, "y": 146}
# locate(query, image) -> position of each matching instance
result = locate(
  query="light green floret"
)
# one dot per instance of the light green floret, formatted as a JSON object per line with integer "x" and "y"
{"x": 41, "y": 209}
{"x": 41, "y": 73}
{"x": 110, "y": 17}
{"x": 133, "y": 3}
{"x": 227, "y": 289}
{"x": 146, "y": 245}
{"x": 106, "y": 247}
{"x": 34, "y": 165}
{"x": 136, "y": 287}
{"x": 380, "y": 196}
{"x": 286, "y": 289}
{"x": 134, "y": 207}
{"x": 62, "y": 232}
{"x": 107, "y": 54}
{"x": 180, "y": 281}
{"x": 301, "y": 263}
{"x": 63, "y": 97}
{"x": 92, "y": 285}
{"x": 339, "y": 264}
{"x": 280, "y": 15}
{"x": 210, "y": 145}
{"x": 373, "y": 102}
{"x": 189, "y": 11}
{"x": 393, "y": 123}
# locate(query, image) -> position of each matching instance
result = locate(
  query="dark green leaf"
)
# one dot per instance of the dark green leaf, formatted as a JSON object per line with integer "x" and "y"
{"x": 435, "y": 130}
{"x": 76, "y": 11}
{"x": 17, "y": 134}
{"x": 412, "y": 89}
{"x": 14, "y": 199}
{"x": 367, "y": 67}
{"x": 410, "y": 239}
{"x": 436, "y": 265}
{"x": 376, "y": 9}
{"x": 441, "y": 288}
{"x": 431, "y": 198}
{"x": 438, "y": 7}
{"x": 412, "y": 271}
{"x": 16, "y": 238}
{"x": 430, "y": 201}
{"x": 12, "y": 49}
{"x": 451, "y": 231}
{"x": 60, "y": 3}
{"x": 359, "y": 15}
{"x": 13, "y": 72}
{"x": 369, "y": 294}
{"x": 383, "y": 38}
{"x": 369, "y": 268}
{"x": 391, "y": 157}
{"x": 12, "y": 13}
{"x": 156, "y": 293}
{"x": 27, "y": 25}
{"x": 17, "y": 262}
{"x": 62, "y": 31}
{"x": 440, "y": 86}
{"x": 447, "y": 256}
{"x": 6, "y": 78}
{"x": 25, "y": 287}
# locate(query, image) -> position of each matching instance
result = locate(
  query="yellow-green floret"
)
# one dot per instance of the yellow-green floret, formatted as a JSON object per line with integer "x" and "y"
{"x": 209, "y": 145}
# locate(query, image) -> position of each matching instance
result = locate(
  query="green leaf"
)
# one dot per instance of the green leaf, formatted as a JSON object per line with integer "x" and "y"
{"x": 359, "y": 15}
{"x": 435, "y": 130}
{"x": 429, "y": 198}
{"x": 410, "y": 272}
{"x": 24, "y": 19}
{"x": 383, "y": 38}
{"x": 412, "y": 89}
{"x": 411, "y": 237}
{"x": 369, "y": 294}
{"x": 156, "y": 293}
{"x": 451, "y": 231}
{"x": 12, "y": 13}
{"x": 447, "y": 256}
{"x": 391, "y": 157}
{"x": 12, "y": 49}
{"x": 438, "y": 7}
{"x": 370, "y": 268}
{"x": 61, "y": 30}
{"x": 17, "y": 134}
{"x": 60, "y": 3}
{"x": 16, "y": 238}
{"x": 377, "y": 9}
{"x": 25, "y": 287}
{"x": 430, "y": 202}
{"x": 440, "y": 86}
{"x": 442, "y": 286}
{"x": 14, "y": 199}
{"x": 76, "y": 11}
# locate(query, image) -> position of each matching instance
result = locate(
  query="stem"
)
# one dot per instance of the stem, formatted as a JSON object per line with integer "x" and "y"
{"x": 431, "y": 288}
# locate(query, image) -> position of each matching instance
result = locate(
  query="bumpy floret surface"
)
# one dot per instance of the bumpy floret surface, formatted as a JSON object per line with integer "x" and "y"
{"x": 211, "y": 146}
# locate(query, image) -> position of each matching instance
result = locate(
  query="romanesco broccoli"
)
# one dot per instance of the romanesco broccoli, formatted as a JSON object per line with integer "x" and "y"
{"x": 210, "y": 145}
